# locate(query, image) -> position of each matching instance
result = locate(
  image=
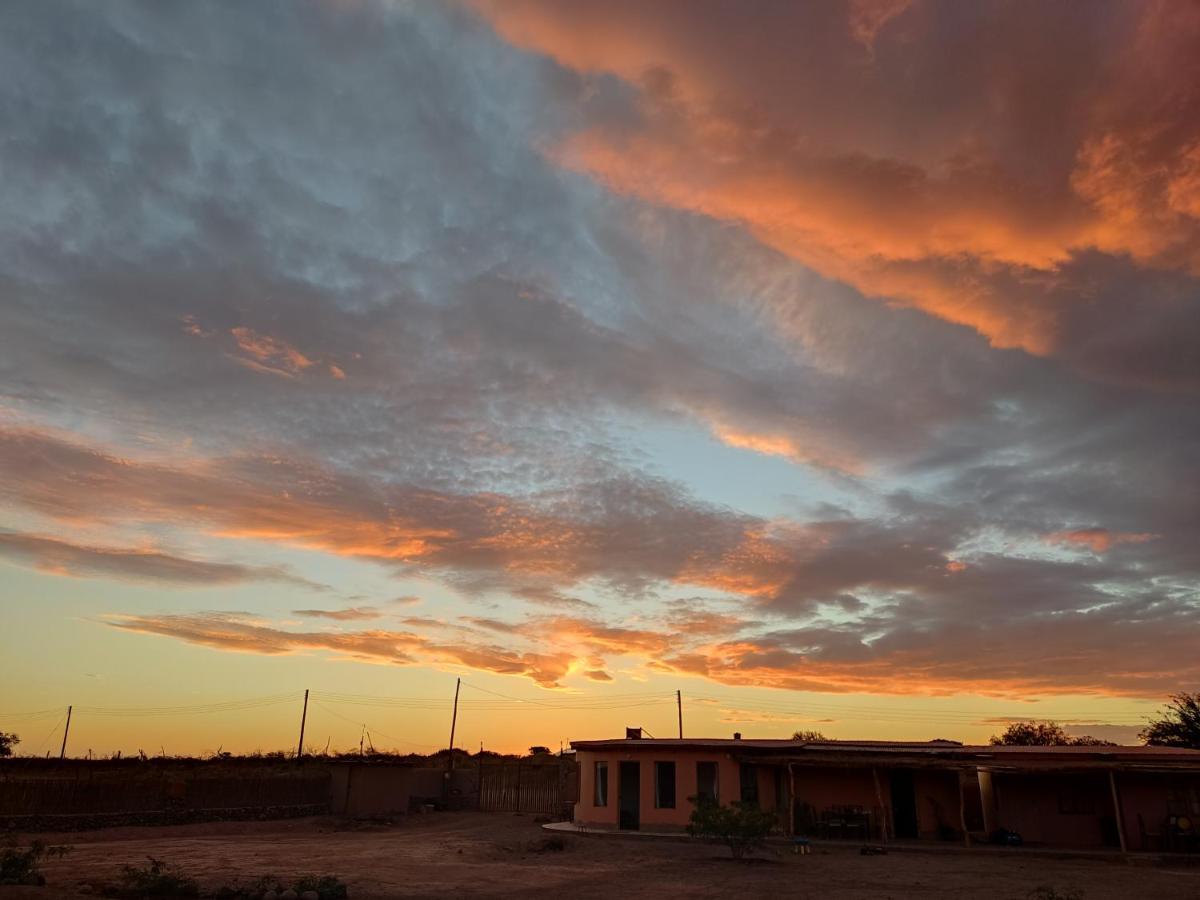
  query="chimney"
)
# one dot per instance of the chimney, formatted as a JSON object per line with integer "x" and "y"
{"x": 633, "y": 734}
{"x": 737, "y": 735}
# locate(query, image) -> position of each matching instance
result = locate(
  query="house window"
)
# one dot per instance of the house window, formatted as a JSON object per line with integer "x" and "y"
{"x": 749, "y": 779}
{"x": 601, "y": 783}
{"x": 706, "y": 783}
{"x": 664, "y": 785}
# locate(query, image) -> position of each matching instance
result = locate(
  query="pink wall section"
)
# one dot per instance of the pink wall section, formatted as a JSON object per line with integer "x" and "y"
{"x": 1038, "y": 807}
{"x": 1051, "y": 808}
{"x": 1154, "y": 797}
{"x": 728, "y": 786}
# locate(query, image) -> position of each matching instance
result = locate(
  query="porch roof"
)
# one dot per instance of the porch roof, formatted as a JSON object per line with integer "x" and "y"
{"x": 949, "y": 754}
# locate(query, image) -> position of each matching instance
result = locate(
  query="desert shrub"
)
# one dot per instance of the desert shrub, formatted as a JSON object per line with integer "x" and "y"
{"x": 19, "y": 866}
{"x": 741, "y": 827}
{"x": 328, "y": 887}
{"x": 552, "y": 844}
{"x": 154, "y": 880}
{"x": 1047, "y": 892}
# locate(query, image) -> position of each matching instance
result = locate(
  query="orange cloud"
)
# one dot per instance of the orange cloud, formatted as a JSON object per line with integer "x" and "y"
{"x": 956, "y": 178}
{"x": 270, "y": 354}
{"x": 224, "y": 631}
{"x": 61, "y": 557}
{"x": 514, "y": 541}
{"x": 1099, "y": 540}
{"x": 963, "y": 660}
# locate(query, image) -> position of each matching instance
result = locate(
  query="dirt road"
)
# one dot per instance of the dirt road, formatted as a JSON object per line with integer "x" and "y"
{"x": 480, "y": 855}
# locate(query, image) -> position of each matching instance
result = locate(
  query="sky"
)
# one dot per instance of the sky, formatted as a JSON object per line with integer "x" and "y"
{"x": 833, "y": 364}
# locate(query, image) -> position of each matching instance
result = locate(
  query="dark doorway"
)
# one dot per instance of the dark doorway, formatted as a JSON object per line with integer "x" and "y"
{"x": 904, "y": 805}
{"x": 629, "y": 795}
{"x": 749, "y": 784}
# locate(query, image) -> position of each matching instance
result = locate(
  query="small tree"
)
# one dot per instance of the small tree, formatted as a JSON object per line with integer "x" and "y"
{"x": 809, "y": 736}
{"x": 1176, "y": 726}
{"x": 7, "y": 742}
{"x": 539, "y": 750}
{"x": 1043, "y": 734}
{"x": 741, "y": 827}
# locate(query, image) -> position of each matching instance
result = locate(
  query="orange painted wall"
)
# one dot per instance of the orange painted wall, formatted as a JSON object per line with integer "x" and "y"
{"x": 586, "y": 813}
{"x": 1154, "y": 796}
{"x": 1031, "y": 805}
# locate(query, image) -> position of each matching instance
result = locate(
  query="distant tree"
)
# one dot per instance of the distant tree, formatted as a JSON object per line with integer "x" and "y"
{"x": 809, "y": 736}
{"x": 539, "y": 750}
{"x": 1178, "y": 725}
{"x": 1043, "y": 734}
{"x": 7, "y": 742}
{"x": 739, "y": 826}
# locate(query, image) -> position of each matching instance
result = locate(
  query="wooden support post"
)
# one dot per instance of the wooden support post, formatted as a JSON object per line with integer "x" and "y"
{"x": 883, "y": 829}
{"x": 303, "y": 719}
{"x": 987, "y": 800}
{"x": 67, "y": 730}
{"x": 1116, "y": 798}
{"x": 791, "y": 799}
{"x": 962, "y": 809}
{"x": 679, "y": 706}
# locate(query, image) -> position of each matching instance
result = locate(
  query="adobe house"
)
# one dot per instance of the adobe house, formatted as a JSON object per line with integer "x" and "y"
{"x": 1130, "y": 798}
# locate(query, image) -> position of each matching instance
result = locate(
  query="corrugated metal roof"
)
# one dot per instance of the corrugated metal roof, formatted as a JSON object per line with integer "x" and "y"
{"x": 932, "y": 748}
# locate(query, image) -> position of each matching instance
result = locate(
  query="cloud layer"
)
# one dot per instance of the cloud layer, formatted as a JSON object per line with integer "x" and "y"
{"x": 515, "y": 297}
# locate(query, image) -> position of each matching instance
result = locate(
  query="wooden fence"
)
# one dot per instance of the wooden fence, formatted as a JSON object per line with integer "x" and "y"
{"x": 530, "y": 787}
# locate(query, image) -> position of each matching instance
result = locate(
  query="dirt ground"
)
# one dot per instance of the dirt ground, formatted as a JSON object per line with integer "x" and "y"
{"x": 478, "y": 855}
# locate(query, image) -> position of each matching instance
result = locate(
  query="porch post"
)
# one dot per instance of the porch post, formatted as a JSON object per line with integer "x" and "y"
{"x": 987, "y": 799}
{"x": 791, "y": 800}
{"x": 962, "y": 808}
{"x": 1116, "y": 798}
{"x": 882, "y": 809}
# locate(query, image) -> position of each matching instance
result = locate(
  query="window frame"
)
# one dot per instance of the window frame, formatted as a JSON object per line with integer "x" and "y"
{"x": 716, "y": 780}
{"x": 600, "y": 798}
{"x": 659, "y": 764}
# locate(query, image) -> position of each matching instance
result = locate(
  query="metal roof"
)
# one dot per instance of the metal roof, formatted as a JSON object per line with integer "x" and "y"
{"x": 944, "y": 749}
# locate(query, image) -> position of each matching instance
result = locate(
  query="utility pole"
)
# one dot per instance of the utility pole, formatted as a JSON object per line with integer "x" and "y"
{"x": 453, "y": 723}
{"x": 303, "y": 718}
{"x": 450, "y": 755}
{"x": 67, "y": 730}
{"x": 679, "y": 706}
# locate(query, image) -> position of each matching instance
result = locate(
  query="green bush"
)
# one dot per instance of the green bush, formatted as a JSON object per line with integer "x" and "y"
{"x": 1047, "y": 892}
{"x": 24, "y": 866}
{"x": 328, "y": 887}
{"x": 155, "y": 880}
{"x": 742, "y": 827}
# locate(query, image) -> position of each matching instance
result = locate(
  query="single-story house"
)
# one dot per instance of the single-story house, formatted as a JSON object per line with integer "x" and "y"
{"x": 1130, "y": 798}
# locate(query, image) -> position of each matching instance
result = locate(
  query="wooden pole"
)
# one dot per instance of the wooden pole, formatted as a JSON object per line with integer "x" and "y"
{"x": 962, "y": 809}
{"x": 791, "y": 799}
{"x": 679, "y": 706}
{"x": 303, "y": 719}
{"x": 67, "y": 730}
{"x": 883, "y": 830}
{"x": 453, "y": 723}
{"x": 1116, "y": 798}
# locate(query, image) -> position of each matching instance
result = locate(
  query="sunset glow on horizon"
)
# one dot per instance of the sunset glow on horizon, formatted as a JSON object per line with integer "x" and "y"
{"x": 834, "y": 364}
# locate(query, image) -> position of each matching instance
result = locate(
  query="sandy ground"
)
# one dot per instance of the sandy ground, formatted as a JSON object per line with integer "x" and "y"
{"x": 488, "y": 855}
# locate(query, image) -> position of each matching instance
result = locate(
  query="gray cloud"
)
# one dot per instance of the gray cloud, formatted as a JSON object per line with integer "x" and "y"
{"x": 136, "y": 564}
{"x": 310, "y": 274}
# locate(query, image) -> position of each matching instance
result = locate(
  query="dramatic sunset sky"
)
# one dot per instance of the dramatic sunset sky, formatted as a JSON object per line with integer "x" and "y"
{"x": 835, "y": 363}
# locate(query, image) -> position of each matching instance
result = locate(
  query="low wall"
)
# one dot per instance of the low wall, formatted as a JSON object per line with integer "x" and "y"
{"x": 83, "y": 787}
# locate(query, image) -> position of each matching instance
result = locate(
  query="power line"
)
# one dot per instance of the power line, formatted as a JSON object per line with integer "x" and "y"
{"x": 192, "y": 709}
{"x": 369, "y": 727}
